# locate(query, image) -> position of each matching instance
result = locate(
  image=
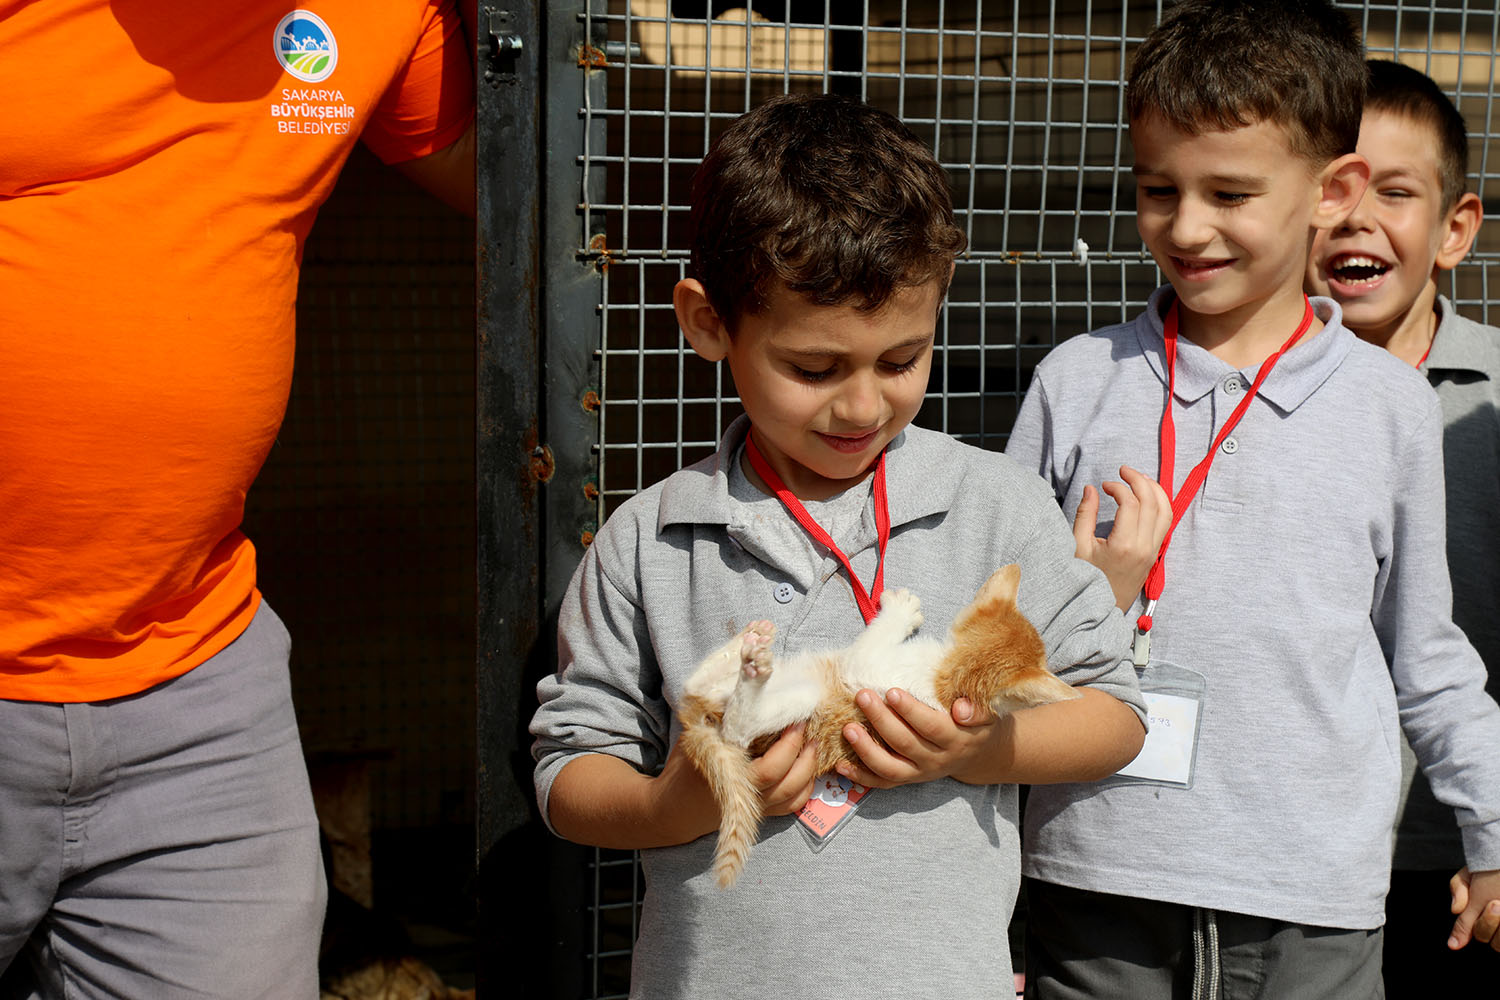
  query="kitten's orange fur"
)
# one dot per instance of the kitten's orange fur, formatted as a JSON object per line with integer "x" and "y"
{"x": 739, "y": 700}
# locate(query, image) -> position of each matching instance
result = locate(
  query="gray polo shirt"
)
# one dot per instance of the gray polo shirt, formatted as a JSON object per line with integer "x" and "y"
{"x": 913, "y": 896}
{"x": 1308, "y": 584}
{"x": 1464, "y": 368}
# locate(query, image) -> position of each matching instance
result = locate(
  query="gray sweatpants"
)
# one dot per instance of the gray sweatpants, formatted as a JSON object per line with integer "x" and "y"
{"x": 1084, "y": 945}
{"x": 162, "y": 845}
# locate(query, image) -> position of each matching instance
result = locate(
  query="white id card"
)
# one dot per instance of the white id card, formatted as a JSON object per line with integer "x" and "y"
{"x": 1174, "y": 702}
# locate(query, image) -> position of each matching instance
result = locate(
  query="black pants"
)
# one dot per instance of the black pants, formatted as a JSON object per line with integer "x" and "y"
{"x": 1092, "y": 946}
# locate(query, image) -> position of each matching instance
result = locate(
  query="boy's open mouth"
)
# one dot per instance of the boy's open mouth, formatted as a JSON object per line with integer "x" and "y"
{"x": 1357, "y": 269}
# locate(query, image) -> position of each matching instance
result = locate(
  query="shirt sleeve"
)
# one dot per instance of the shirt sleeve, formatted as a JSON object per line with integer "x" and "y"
{"x": 606, "y": 695}
{"x": 1072, "y": 606}
{"x": 1088, "y": 639}
{"x": 430, "y": 103}
{"x": 1030, "y": 441}
{"x": 1452, "y": 724}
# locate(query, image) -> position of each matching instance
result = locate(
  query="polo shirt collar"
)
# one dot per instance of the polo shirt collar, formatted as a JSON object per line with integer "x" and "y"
{"x": 916, "y": 483}
{"x": 1298, "y": 374}
{"x": 1459, "y": 344}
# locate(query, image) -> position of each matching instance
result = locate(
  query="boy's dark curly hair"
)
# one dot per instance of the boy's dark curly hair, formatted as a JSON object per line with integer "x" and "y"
{"x": 828, "y": 197}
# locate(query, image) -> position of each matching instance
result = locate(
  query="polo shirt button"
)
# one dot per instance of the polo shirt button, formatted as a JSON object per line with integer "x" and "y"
{"x": 1230, "y": 446}
{"x": 784, "y": 593}
{"x": 1232, "y": 384}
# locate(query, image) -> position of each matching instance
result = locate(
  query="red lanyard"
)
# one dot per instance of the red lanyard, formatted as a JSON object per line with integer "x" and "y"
{"x": 869, "y": 603}
{"x": 1158, "y": 576}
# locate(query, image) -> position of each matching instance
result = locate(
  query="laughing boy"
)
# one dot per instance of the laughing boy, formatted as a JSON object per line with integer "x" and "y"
{"x": 1382, "y": 265}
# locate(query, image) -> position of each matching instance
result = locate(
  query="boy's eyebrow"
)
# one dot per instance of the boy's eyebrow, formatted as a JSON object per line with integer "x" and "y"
{"x": 1223, "y": 180}
{"x": 1237, "y": 180}
{"x": 1410, "y": 170}
{"x": 917, "y": 341}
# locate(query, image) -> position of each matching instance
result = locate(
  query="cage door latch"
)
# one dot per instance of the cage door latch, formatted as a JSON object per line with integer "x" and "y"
{"x": 506, "y": 46}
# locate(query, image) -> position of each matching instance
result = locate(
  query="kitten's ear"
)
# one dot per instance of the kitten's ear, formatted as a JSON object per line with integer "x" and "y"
{"x": 1040, "y": 688}
{"x": 1001, "y": 586}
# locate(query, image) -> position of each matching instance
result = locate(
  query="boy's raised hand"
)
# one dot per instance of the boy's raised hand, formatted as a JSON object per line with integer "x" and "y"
{"x": 1141, "y": 523}
{"x": 1476, "y": 902}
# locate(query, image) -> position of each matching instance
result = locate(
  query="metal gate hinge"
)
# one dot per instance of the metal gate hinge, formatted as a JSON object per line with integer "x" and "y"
{"x": 506, "y": 46}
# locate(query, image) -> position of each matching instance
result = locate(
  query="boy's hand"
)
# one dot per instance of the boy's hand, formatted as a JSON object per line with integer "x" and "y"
{"x": 685, "y": 804}
{"x": 681, "y": 804}
{"x": 924, "y": 743}
{"x": 1476, "y": 901}
{"x": 1141, "y": 523}
{"x": 784, "y": 773}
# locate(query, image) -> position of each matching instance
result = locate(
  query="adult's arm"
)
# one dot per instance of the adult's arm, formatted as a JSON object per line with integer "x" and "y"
{"x": 448, "y": 173}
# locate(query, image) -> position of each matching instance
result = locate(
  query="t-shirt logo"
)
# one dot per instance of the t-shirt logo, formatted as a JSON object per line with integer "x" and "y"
{"x": 305, "y": 46}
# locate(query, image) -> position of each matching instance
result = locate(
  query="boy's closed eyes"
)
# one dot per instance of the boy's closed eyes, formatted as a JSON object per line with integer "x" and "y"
{"x": 1227, "y": 198}
{"x": 820, "y": 366}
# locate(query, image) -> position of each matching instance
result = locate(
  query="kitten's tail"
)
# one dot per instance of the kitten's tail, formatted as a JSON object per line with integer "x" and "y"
{"x": 727, "y": 769}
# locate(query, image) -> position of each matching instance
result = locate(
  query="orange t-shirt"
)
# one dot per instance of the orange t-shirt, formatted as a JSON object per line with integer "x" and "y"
{"x": 160, "y": 166}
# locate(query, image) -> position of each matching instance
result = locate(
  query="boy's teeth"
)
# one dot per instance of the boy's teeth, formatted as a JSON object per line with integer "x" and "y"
{"x": 1356, "y": 269}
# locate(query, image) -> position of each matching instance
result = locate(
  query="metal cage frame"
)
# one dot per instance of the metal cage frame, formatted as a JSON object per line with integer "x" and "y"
{"x": 592, "y": 117}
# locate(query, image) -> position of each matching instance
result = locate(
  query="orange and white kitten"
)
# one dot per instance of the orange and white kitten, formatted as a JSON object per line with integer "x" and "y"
{"x": 740, "y": 699}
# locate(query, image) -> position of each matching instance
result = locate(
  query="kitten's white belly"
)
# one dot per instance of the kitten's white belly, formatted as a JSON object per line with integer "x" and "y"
{"x": 911, "y": 666}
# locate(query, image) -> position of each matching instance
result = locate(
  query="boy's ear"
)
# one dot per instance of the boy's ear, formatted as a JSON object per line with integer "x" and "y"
{"x": 701, "y": 325}
{"x": 1343, "y": 182}
{"x": 1461, "y": 228}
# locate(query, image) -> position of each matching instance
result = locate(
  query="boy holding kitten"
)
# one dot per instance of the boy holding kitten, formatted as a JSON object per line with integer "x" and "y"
{"x": 823, "y": 243}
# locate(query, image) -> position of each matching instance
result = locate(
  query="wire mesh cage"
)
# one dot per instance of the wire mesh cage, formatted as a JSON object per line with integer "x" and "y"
{"x": 1022, "y": 102}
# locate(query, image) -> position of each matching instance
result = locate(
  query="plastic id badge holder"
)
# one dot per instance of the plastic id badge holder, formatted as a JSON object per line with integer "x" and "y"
{"x": 833, "y": 802}
{"x": 1174, "y": 706}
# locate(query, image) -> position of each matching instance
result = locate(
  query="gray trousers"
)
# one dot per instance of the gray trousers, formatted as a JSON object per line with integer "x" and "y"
{"x": 1084, "y": 945}
{"x": 162, "y": 845}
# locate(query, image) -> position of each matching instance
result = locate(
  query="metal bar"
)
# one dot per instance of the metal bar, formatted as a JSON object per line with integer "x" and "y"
{"x": 572, "y": 290}
{"x": 1489, "y": 113}
{"x": 511, "y": 466}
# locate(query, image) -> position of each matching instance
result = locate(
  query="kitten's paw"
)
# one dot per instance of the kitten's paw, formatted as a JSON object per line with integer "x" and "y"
{"x": 902, "y": 606}
{"x": 761, "y": 628}
{"x": 755, "y": 650}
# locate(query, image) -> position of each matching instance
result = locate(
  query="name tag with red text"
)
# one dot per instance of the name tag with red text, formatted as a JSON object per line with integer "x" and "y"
{"x": 834, "y": 800}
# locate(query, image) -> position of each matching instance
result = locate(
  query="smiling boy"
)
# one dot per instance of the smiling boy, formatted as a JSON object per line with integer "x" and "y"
{"x": 823, "y": 240}
{"x": 817, "y": 426}
{"x": 1382, "y": 266}
{"x": 1297, "y": 616}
